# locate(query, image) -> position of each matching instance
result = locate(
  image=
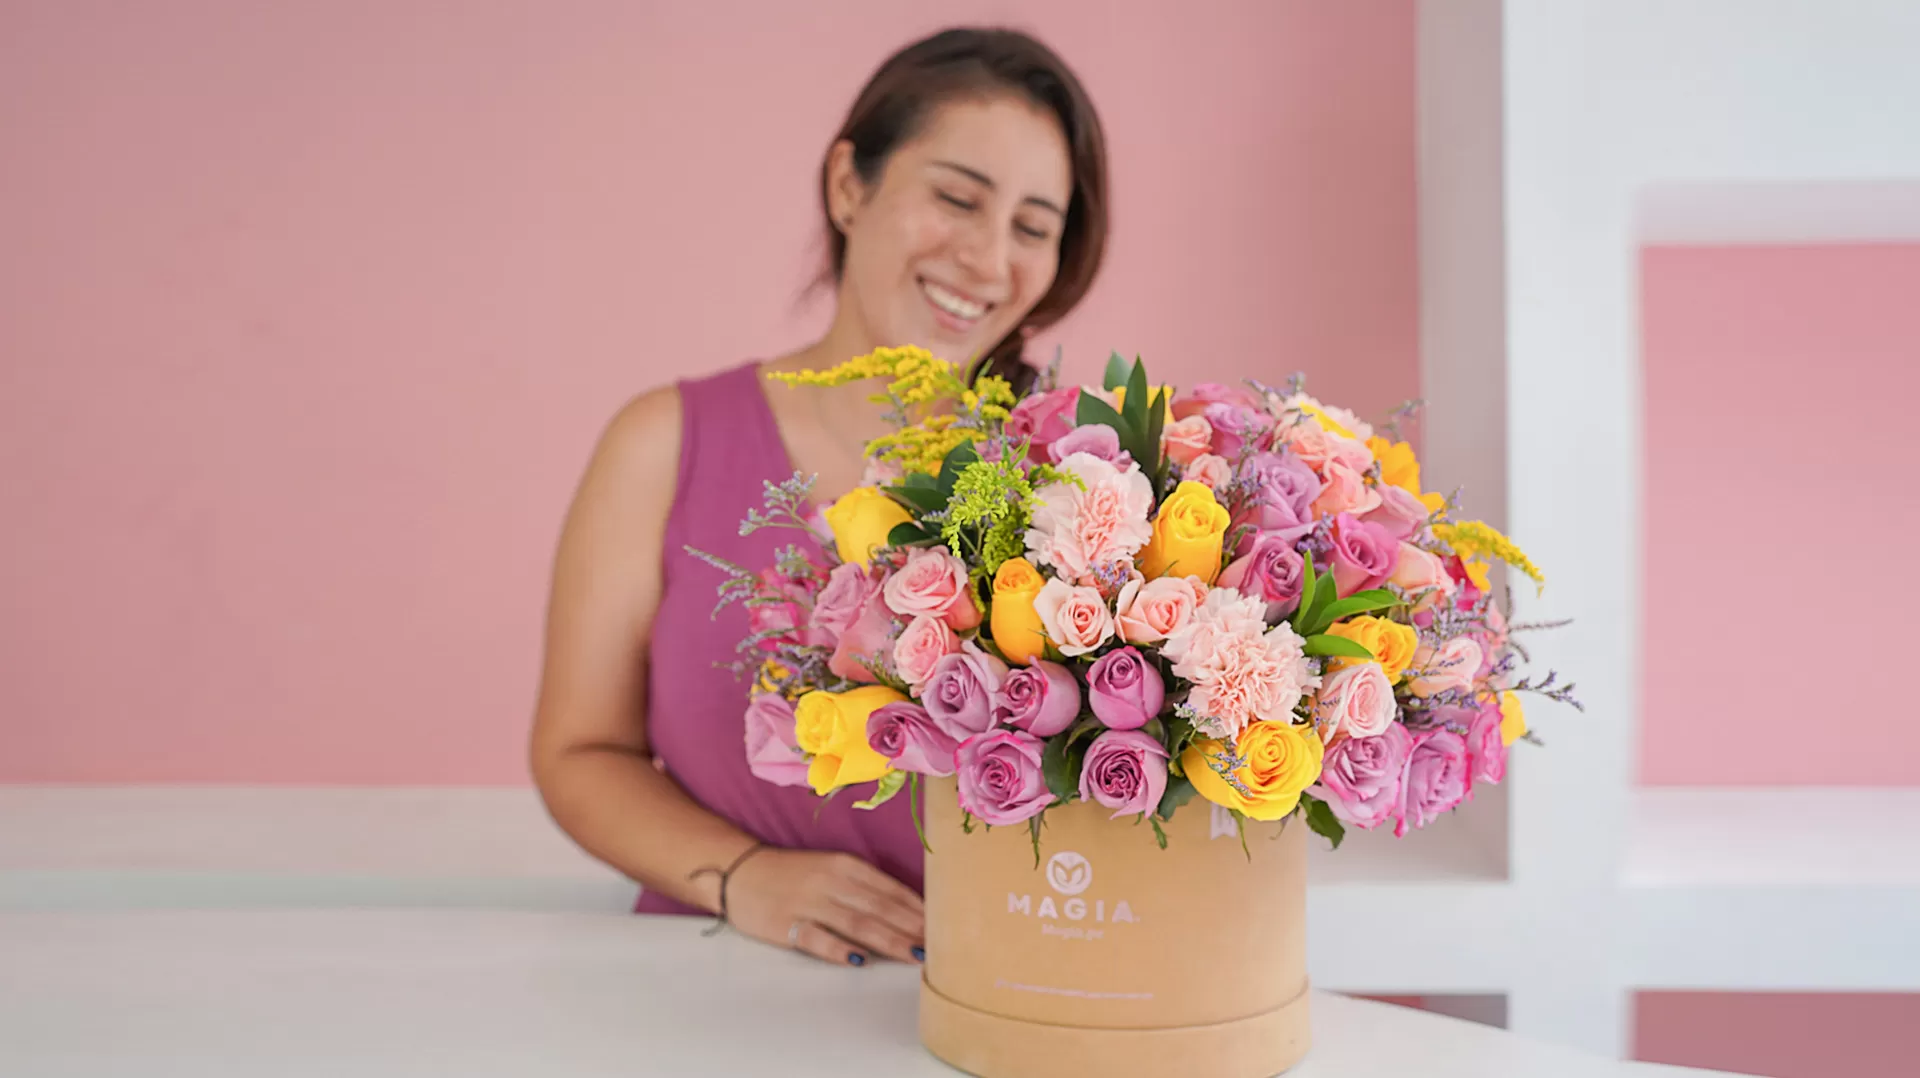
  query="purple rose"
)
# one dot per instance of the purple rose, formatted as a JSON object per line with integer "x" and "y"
{"x": 1438, "y": 778}
{"x": 1486, "y": 746}
{"x": 1041, "y": 699}
{"x": 1360, "y": 778}
{"x": 1195, "y": 401}
{"x": 1125, "y": 770}
{"x": 773, "y": 754}
{"x": 867, "y": 641}
{"x": 904, "y": 733}
{"x": 1271, "y": 570}
{"x": 1095, "y": 439}
{"x": 1234, "y": 425}
{"x": 1125, "y": 690}
{"x": 1000, "y": 777}
{"x": 1363, "y": 555}
{"x": 1284, "y": 489}
{"x": 1399, "y": 512}
{"x": 960, "y": 693}
{"x": 1043, "y": 419}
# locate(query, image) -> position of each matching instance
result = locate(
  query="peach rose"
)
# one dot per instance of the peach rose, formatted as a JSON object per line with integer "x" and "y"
{"x": 1186, "y": 439}
{"x": 1449, "y": 668}
{"x": 1076, "y": 618}
{"x": 920, "y": 648}
{"x": 1419, "y": 571}
{"x": 1346, "y": 491}
{"x": 1149, "y": 611}
{"x": 1212, "y": 470}
{"x": 933, "y": 582}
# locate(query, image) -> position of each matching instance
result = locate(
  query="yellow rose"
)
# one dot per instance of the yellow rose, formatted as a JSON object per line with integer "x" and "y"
{"x": 1016, "y": 625}
{"x": 1398, "y": 465}
{"x": 1513, "y": 719}
{"x": 1187, "y": 535}
{"x": 1274, "y": 761}
{"x": 1391, "y": 642}
{"x": 832, "y": 726}
{"x": 861, "y": 520}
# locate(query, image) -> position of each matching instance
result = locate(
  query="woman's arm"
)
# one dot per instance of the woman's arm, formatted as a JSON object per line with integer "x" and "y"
{"x": 589, "y": 753}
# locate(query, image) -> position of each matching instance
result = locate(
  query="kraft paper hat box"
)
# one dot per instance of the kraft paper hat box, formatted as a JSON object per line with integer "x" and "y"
{"x": 1114, "y": 957}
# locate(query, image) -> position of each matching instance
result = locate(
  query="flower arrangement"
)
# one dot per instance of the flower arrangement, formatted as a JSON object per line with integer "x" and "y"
{"x": 1131, "y": 596}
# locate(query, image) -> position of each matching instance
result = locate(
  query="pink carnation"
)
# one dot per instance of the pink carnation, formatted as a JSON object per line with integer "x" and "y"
{"x": 1081, "y": 530}
{"x": 1241, "y": 670}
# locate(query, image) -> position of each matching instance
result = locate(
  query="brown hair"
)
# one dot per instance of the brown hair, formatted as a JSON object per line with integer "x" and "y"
{"x": 954, "y": 63}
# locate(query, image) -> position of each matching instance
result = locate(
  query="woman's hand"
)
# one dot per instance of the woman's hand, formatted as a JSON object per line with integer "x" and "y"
{"x": 845, "y": 909}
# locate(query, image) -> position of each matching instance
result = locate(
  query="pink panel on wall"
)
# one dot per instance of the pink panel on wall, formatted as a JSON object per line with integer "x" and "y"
{"x": 1780, "y": 504}
{"x": 311, "y": 313}
{"x": 1779, "y": 1035}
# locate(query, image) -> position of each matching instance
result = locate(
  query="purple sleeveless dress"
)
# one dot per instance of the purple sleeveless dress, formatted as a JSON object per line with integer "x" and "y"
{"x": 730, "y": 446}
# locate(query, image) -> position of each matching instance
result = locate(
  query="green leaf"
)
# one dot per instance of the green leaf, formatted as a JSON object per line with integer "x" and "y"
{"x": 1322, "y": 821}
{"x": 1092, "y": 409}
{"x": 1159, "y": 833}
{"x": 890, "y": 783}
{"x": 1308, "y": 583}
{"x": 1179, "y": 791}
{"x": 1062, "y": 768}
{"x": 913, "y": 808}
{"x": 925, "y": 497}
{"x": 1116, "y": 372}
{"x": 956, "y": 462}
{"x": 1359, "y": 602}
{"x": 1337, "y": 645}
{"x": 1240, "y": 825}
{"x": 1085, "y": 726}
{"x": 909, "y": 534}
{"x": 1134, "y": 408}
{"x": 1326, "y": 592}
{"x": 1156, "y": 730}
{"x": 966, "y": 823}
{"x": 1156, "y": 425}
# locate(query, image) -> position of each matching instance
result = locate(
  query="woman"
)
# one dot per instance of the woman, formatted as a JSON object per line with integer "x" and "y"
{"x": 965, "y": 204}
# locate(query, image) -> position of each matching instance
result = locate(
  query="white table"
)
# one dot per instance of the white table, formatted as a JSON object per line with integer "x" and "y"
{"x": 444, "y": 992}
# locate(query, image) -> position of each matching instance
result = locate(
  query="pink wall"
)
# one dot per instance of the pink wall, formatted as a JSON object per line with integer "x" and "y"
{"x": 310, "y": 313}
{"x": 1780, "y": 463}
{"x": 1780, "y": 1035}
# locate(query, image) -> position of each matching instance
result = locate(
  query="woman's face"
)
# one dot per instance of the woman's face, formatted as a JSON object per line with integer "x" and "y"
{"x": 960, "y": 236}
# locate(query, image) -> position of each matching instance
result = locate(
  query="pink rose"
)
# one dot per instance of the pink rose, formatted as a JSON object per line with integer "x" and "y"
{"x": 1449, "y": 668}
{"x": 1486, "y": 747}
{"x": 1364, "y": 555}
{"x": 773, "y": 754}
{"x": 1438, "y": 778}
{"x": 920, "y": 648}
{"x": 1346, "y": 491}
{"x": 1042, "y": 699}
{"x": 1042, "y": 419}
{"x": 1271, "y": 569}
{"x": 1184, "y": 440}
{"x": 1000, "y": 777}
{"x": 848, "y": 588}
{"x": 1125, "y": 770}
{"x": 1235, "y": 425}
{"x": 1214, "y": 471}
{"x": 868, "y": 642}
{"x": 1356, "y": 701}
{"x": 1076, "y": 619}
{"x": 1284, "y": 490}
{"x": 1195, "y": 401}
{"x": 960, "y": 693}
{"x": 1310, "y": 442}
{"x": 1125, "y": 690}
{"x": 933, "y": 582}
{"x": 904, "y": 733}
{"x": 1417, "y": 571}
{"x": 1353, "y": 454}
{"x": 1361, "y": 776}
{"x": 1092, "y": 523}
{"x": 1400, "y": 513}
{"x": 1095, "y": 440}
{"x": 1467, "y": 593}
{"x": 1152, "y": 610}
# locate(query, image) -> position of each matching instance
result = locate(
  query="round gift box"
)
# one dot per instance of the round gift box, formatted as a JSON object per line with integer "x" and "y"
{"x": 1112, "y": 957}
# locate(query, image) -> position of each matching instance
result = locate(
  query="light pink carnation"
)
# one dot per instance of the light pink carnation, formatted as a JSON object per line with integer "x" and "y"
{"x": 1241, "y": 670}
{"x": 1080, "y": 529}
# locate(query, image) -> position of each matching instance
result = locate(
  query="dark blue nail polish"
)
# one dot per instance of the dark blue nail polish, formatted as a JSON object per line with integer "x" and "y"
{"x": 857, "y": 958}
{"x": 919, "y": 954}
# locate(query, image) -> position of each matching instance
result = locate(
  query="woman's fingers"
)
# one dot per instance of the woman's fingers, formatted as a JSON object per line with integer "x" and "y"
{"x": 811, "y": 938}
{"x": 868, "y": 890}
{"x": 868, "y": 934}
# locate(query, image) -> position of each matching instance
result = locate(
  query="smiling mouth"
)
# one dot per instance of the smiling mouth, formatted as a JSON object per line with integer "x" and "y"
{"x": 960, "y": 311}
